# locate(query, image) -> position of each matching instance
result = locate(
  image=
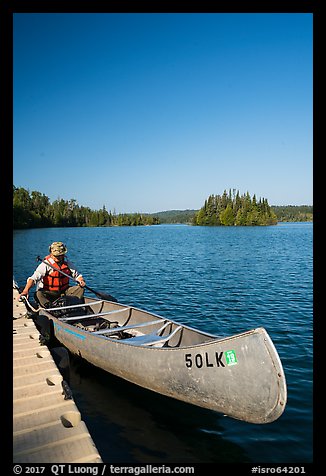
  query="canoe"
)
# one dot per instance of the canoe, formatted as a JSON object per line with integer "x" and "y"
{"x": 240, "y": 376}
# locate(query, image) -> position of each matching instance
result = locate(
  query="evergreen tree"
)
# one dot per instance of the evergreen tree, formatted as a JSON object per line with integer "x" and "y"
{"x": 232, "y": 210}
{"x": 227, "y": 216}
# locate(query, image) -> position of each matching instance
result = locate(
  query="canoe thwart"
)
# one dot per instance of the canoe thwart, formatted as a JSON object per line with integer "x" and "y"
{"x": 151, "y": 339}
{"x": 87, "y": 316}
{"x": 91, "y": 303}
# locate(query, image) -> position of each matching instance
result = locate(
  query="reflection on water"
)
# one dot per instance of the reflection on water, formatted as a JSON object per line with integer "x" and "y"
{"x": 132, "y": 425}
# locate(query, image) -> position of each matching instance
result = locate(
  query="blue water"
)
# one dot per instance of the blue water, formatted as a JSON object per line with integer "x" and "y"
{"x": 223, "y": 280}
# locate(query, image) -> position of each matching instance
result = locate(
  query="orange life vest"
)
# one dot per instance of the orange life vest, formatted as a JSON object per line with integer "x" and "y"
{"x": 55, "y": 281}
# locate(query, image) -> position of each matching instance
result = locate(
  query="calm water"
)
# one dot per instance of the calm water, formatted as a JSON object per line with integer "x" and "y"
{"x": 222, "y": 280}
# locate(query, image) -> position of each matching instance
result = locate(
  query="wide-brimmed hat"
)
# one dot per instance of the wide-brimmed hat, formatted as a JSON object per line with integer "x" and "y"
{"x": 58, "y": 248}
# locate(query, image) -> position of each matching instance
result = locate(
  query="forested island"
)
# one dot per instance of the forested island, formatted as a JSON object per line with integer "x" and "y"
{"x": 231, "y": 209}
{"x": 34, "y": 210}
{"x": 284, "y": 213}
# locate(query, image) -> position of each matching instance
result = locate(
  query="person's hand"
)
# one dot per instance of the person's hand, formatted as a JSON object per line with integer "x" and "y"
{"x": 81, "y": 283}
{"x": 23, "y": 293}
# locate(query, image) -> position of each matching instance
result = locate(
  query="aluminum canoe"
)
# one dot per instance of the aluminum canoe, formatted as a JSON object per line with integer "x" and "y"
{"x": 240, "y": 376}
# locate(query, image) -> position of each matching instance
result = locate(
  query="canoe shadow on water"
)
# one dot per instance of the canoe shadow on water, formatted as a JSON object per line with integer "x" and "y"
{"x": 130, "y": 424}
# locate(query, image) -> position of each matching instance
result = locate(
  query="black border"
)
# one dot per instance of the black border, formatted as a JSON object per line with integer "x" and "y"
{"x": 7, "y": 10}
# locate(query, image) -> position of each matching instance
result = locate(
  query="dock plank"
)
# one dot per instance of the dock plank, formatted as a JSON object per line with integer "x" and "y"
{"x": 47, "y": 428}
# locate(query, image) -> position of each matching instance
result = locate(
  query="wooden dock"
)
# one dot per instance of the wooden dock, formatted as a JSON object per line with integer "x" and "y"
{"x": 47, "y": 427}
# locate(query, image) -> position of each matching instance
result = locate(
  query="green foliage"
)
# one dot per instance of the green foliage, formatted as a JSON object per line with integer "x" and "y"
{"x": 34, "y": 210}
{"x": 231, "y": 209}
{"x": 293, "y": 212}
{"x": 175, "y": 216}
{"x": 227, "y": 217}
{"x": 240, "y": 208}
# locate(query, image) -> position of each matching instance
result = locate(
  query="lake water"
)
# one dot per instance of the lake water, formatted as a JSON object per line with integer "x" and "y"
{"x": 223, "y": 280}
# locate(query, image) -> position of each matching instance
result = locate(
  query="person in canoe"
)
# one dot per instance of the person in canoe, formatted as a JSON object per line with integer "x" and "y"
{"x": 51, "y": 277}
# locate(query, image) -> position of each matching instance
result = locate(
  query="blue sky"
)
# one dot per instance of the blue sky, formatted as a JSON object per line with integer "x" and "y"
{"x": 152, "y": 112}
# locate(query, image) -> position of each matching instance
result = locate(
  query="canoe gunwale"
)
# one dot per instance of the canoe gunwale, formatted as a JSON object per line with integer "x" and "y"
{"x": 214, "y": 338}
{"x": 121, "y": 308}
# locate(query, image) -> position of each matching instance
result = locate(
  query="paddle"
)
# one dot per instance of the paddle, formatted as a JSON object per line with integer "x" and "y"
{"x": 107, "y": 297}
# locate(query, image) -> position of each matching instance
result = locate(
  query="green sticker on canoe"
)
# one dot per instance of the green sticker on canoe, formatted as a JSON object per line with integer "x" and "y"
{"x": 231, "y": 358}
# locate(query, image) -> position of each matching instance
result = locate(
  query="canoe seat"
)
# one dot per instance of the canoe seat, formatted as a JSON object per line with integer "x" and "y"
{"x": 153, "y": 338}
{"x": 125, "y": 328}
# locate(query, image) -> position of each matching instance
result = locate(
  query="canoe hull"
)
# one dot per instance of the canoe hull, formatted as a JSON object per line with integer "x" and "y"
{"x": 239, "y": 376}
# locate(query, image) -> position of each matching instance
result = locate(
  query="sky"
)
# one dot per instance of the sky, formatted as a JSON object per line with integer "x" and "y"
{"x": 152, "y": 112}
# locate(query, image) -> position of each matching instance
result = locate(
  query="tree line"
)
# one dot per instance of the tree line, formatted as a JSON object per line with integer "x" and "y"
{"x": 293, "y": 212}
{"x": 34, "y": 210}
{"x": 284, "y": 213}
{"x": 231, "y": 209}
{"x": 175, "y": 216}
